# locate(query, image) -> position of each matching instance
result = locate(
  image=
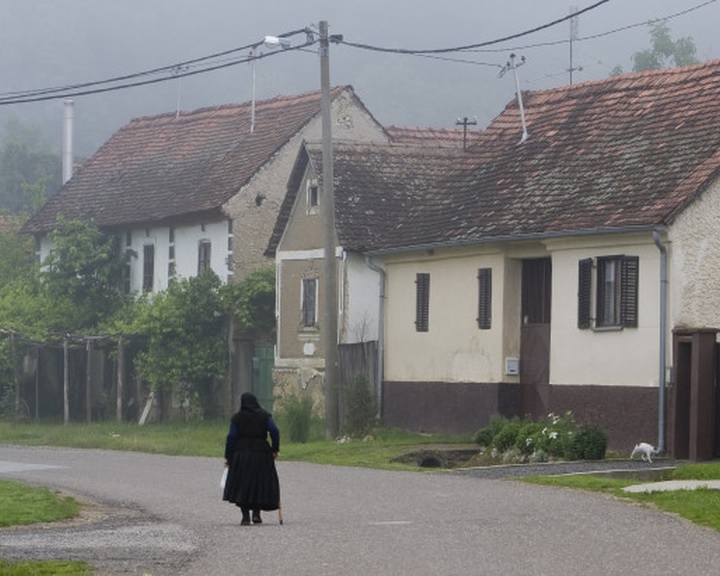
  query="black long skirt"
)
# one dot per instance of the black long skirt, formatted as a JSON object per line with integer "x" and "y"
{"x": 252, "y": 480}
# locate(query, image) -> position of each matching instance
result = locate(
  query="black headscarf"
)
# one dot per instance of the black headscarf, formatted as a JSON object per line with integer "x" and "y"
{"x": 248, "y": 403}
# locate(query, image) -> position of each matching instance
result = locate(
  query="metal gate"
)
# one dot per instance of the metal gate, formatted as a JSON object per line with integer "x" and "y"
{"x": 263, "y": 363}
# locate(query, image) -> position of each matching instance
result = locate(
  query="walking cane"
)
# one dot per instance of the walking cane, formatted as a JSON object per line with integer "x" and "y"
{"x": 280, "y": 512}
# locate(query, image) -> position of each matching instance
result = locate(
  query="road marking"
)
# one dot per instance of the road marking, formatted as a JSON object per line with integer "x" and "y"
{"x": 7, "y": 467}
{"x": 391, "y": 523}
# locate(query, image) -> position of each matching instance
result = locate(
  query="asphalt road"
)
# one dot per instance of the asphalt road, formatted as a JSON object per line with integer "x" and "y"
{"x": 163, "y": 515}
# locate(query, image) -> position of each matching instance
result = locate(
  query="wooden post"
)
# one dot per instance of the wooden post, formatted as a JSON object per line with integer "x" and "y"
{"x": 66, "y": 377}
{"x": 88, "y": 374}
{"x": 120, "y": 379}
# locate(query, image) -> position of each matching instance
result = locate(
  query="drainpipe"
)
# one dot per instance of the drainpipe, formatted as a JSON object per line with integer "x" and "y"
{"x": 663, "y": 340}
{"x": 381, "y": 332}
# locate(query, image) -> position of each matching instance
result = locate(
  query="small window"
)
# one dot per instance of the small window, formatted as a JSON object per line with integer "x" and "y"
{"x": 148, "y": 267}
{"x": 309, "y": 302}
{"x": 127, "y": 286}
{"x": 484, "y": 318}
{"x": 422, "y": 302}
{"x": 204, "y": 250}
{"x": 313, "y": 198}
{"x": 616, "y": 292}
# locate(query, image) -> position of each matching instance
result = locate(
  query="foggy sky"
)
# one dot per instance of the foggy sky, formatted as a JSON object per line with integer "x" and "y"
{"x": 60, "y": 42}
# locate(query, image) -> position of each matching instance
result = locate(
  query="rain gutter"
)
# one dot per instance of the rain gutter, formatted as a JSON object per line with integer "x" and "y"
{"x": 663, "y": 340}
{"x": 381, "y": 332}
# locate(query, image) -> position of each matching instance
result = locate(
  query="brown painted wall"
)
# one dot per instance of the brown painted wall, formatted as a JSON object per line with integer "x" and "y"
{"x": 627, "y": 414}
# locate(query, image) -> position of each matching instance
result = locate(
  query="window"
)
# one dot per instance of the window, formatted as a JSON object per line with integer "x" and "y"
{"x": 422, "y": 302}
{"x": 127, "y": 286}
{"x": 484, "y": 318}
{"x": 309, "y": 302}
{"x": 204, "y": 249}
{"x": 313, "y": 198}
{"x": 148, "y": 267}
{"x": 616, "y": 292}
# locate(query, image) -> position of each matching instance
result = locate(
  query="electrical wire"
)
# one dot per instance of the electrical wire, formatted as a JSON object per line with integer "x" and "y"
{"x": 473, "y": 46}
{"x": 172, "y": 72}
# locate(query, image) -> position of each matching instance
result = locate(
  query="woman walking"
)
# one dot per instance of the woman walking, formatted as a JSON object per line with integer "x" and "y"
{"x": 252, "y": 481}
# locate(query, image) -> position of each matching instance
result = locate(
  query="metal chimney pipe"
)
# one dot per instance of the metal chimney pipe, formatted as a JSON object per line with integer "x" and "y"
{"x": 68, "y": 140}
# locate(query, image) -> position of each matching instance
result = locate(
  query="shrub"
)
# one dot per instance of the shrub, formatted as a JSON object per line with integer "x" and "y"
{"x": 529, "y": 437}
{"x": 485, "y": 436}
{"x": 361, "y": 415}
{"x": 588, "y": 443}
{"x": 506, "y": 438}
{"x": 298, "y": 412}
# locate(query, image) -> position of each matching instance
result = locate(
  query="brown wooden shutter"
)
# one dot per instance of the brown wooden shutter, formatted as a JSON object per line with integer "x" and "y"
{"x": 484, "y": 319}
{"x": 629, "y": 291}
{"x": 584, "y": 292}
{"x": 422, "y": 302}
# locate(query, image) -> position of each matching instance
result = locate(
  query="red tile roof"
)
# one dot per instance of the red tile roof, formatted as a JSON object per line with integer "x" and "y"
{"x": 166, "y": 167}
{"x": 628, "y": 152}
{"x": 441, "y": 137}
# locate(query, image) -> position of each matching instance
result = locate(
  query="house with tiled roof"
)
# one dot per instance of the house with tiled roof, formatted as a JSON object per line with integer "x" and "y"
{"x": 199, "y": 189}
{"x": 576, "y": 269}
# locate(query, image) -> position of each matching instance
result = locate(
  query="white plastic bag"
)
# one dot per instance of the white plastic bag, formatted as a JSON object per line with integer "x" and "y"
{"x": 223, "y": 479}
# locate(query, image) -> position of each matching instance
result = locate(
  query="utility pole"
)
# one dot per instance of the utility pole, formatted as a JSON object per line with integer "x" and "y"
{"x": 329, "y": 326}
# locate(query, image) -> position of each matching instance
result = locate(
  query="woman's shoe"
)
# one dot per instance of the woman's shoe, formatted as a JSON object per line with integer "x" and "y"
{"x": 256, "y": 518}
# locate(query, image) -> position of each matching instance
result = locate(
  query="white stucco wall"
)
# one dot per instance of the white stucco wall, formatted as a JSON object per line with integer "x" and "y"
{"x": 360, "y": 301}
{"x": 695, "y": 238}
{"x": 187, "y": 241}
{"x": 614, "y": 357}
{"x": 454, "y": 349}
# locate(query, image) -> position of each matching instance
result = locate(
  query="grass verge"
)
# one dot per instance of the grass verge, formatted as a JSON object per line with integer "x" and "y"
{"x": 45, "y": 568}
{"x": 700, "y": 506}
{"x": 208, "y": 439}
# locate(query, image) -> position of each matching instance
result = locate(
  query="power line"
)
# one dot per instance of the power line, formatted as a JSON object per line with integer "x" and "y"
{"x": 172, "y": 72}
{"x": 473, "y": 46}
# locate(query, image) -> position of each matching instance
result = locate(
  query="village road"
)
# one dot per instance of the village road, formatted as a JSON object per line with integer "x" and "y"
{"x": 163, "y": 515}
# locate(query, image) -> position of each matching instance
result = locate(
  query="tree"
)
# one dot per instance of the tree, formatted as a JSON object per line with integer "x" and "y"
{"x": 26, "y": 163}
{"x": 664, "y": 53}
{"x": 83, "y": 273}
{"x": 186, "y": 342}
{"x": 252, "y": 304}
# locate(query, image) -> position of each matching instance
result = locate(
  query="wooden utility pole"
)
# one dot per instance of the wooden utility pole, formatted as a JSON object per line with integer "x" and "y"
{"x": 329, "y": 324}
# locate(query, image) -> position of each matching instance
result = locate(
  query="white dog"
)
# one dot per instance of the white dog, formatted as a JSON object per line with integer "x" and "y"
{"x": 646, "y": 451}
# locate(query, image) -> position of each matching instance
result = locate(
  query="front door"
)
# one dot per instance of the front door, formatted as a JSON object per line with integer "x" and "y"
{"x": 535, "y": 335}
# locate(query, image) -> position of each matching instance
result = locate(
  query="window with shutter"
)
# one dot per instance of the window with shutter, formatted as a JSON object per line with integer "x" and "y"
{"x": 484, "y": 318}
{"x": 616, "y": 292}
{"x": 422, "y": 302}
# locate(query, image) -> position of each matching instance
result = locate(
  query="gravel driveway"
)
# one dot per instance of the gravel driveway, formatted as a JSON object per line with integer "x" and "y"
{"x": 163, "y": 515}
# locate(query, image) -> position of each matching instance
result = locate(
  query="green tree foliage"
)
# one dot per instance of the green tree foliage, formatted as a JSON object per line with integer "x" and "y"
{"x": 83, "y": 272}
{"x": 186, "y": 334}
{"x": 27, "y": 165}
{"x": 17, "y": 257}
{"x": 664, "y": 52}
{"x": 252, "y": 303}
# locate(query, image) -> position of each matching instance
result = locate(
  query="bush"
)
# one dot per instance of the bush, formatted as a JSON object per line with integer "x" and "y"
{"x": 506, "y": 438}
{"x": 361, "y": 413}
{"x": 537, "y": 441}
{"x": 298, "y": 412}
{"x": 588, "y": 443}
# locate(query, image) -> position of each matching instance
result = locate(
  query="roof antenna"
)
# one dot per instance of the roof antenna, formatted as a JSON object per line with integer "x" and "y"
{"x": 465, "y": 122}
{"x": 512, "y": 66}
{"x": 178, "y": 72}
{"x": 252, "y": 114}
